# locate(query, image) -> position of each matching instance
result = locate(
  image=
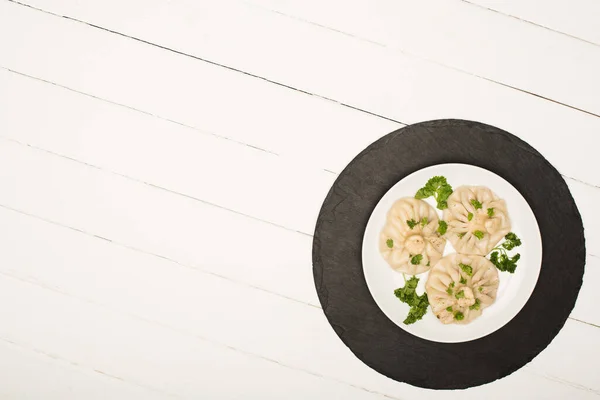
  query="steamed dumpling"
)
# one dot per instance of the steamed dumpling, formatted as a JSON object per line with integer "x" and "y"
{"x": 409, "y": 241}
{"x": 460, "y": 286}
{"x": 477, "y": 220}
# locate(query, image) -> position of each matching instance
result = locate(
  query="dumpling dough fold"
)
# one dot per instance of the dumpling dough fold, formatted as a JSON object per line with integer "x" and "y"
{"x": 409, "y": 241}
{"x": 460, "y": 286}
{"x": 468, "y": 217}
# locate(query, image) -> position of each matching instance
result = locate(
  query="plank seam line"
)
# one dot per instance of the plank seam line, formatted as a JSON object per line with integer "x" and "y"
{"x": 301, "y": 90}
{"x": 583, "y": 322}
{"x": 180, "y": 332}
{"x": 563, "y": 381}
{"x": 199, "y": 130}
{"x": 580, "y": 181}
{"x": 422, "y": 58}
{"x": 530, "y": 22}
{"x": 214, "y": 342}
{"x": 152, "y": 185}
{"x": 55, "y": 358}
{"x": 177, "y": 193}
{"x": 206, "y": 61}
{"x": 178, "y": 263}
{"x": 150, "y": 253}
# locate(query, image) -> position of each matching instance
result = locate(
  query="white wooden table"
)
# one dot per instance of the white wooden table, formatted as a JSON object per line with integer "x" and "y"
{"x": 162, "y": 164}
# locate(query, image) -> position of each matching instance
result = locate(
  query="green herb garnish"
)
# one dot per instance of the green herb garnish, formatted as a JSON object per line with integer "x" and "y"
{"x": 389, "y": 243}
{"x": 460, "y": 295}
{"x": 470, "y": 216}
{"x": 424, "y": 221}
{"x": 437, "y": 187}
{"x": 450, "y": 287}
{"x": 411, "y": 223}
{"x": 463, "y": 280}
{"x": 467, "y": 269}
{"x": 504, "y": 262}
{"x": 428, "y": 263}
{"x": 418, "y": 304}
{"x": 490, "y": 212}
{"x": 459, "y": 316}
{"x": 511, "y": 242}
{"x": 442, "y": 228}
{"x": 478, "y": 234}
{"x": 480, "y": 288}
{"x": 476, "y": 305}
{"x": 449, "y": 309}
{"x": 461, "y": 235}
{"x": 475, "y": 203}
{"x": 500, "y": 257}
{"x": 416, "y": 260}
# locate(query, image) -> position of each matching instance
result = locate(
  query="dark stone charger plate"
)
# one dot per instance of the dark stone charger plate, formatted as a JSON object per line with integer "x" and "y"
{"x": 338, "y": 272}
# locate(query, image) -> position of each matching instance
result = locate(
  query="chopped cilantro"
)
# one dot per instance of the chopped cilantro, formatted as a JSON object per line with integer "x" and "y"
{"x": 424, "y": 221}
{"x": 480, "y": 288}
{"x": 461, "y": 235}
{"x": 470, "y": 216}
{"x": 451, "y": 284}
{"x": 460, "y": 295}
{"x": 475, "y": 203}
{"x": 459, "y": 316}
{"x": 411, "y": 223}
{"x": 437, "y": 187}
{"x": 449, "y": 309}
{"x": 478, "y": 234}
{"x": 449, "y": 291}
{"x": 416, "y": 260}
{"x": 418, "y": 304}
{"x": 442, "y": 228}
{"x": 476, "y": 305}
{"x": 463, "y": 280}
{"x": 467, "y": 269}
{"x": 428, "y": 263}
{"x": 490, "y": 212}
{"x": 390, "y": 243}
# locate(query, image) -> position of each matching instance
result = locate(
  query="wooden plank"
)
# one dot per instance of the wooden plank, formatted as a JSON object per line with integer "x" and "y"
{"x": 224, "y": 101}
{"x": 280, "y": 190}
{"x": 156, "y": 221}
{"x": 59, "y": 318}
{"x": 90, "y": 131}
{"x": 585, "y": 197}
{"x": 576, "y": 18}
{"x": 585, "y": 309}
{"x": 471, "y": 39}
{"x": 150, "y": 355}
{"x": 570, "y": 346}
{"x": 28, "y": 374}
{"x": 186, "y": 311}
{"x": 452, "y": 33}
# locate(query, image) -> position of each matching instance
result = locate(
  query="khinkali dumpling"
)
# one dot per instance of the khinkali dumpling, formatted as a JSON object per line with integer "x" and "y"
{"x": 460, "y": 286}
{"x": 409, "y": 241}
{"x": 477, "y": 220}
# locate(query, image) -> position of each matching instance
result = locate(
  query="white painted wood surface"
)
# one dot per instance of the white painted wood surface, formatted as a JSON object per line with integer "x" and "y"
{"x": 576, "y": 18}
{"x": 162, "y": 164}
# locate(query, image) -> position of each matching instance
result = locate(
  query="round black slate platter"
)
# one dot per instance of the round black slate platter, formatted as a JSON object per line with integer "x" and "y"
{"x": 338, "y": 272}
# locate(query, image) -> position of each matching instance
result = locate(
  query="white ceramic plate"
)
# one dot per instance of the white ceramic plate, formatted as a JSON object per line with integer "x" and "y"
{"x": 514, "y": 290}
